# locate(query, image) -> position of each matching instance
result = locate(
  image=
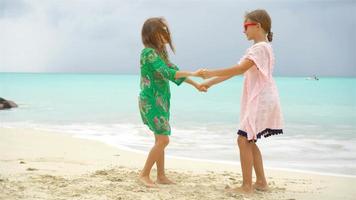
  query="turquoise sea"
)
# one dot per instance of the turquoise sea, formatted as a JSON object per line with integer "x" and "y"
{"x": 320, "y": 117}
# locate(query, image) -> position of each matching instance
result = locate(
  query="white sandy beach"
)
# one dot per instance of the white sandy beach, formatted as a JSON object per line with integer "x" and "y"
{"x": 41, "y": 165}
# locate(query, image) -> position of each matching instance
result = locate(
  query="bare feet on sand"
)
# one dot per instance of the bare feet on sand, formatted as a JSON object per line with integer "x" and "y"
{"x": 147, "y": 181}
{"x": 239, "y": 190}
{"x": 164, "y": 180}
{"x": 261, "y": 187}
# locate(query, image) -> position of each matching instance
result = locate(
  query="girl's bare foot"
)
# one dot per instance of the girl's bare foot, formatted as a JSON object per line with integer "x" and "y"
{"x": 240, "y": 190}
{"x": 261, "y": 187}
{"x": 164, "y": 180}
{"x": 147, "y": 181}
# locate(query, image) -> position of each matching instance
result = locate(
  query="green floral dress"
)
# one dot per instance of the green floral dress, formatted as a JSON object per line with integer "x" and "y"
{"x": 154, "y": 99}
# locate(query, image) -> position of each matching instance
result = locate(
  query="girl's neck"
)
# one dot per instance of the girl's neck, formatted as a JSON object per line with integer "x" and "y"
{"x": 260, "y": 38}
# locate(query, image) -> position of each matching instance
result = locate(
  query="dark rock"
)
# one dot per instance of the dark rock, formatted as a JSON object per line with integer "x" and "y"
{"x": 7, "y": 104}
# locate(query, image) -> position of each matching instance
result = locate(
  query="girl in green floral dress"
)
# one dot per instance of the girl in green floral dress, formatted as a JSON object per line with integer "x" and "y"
{"x": 154, "y": 98}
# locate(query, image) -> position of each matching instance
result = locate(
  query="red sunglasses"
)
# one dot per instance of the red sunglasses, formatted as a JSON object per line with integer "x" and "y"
{"x": 247, "y": 24}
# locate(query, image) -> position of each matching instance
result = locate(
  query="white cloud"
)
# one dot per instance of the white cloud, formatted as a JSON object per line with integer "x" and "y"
{"x": 104, "y": 36}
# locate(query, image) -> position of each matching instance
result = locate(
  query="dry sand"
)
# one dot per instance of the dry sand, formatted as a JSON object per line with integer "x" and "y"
{"x": 41, "y": 165}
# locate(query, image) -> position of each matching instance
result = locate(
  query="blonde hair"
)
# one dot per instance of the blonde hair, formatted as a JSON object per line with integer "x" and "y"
{"x": 152, "y": 32}
{"x": 262, "y": 17}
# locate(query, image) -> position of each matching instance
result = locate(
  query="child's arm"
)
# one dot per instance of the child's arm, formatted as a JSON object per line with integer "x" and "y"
{"x": 161, "y": 67}
{"x": 208, "y": 83}
{"x": 231, "y": 71}
{"x": 196, "y": 85}
{"x": 181, "y": 74}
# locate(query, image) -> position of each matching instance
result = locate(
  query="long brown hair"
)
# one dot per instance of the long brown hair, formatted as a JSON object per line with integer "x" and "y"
{"x": 152, "y": 32}
{"x": 262, "y": 17}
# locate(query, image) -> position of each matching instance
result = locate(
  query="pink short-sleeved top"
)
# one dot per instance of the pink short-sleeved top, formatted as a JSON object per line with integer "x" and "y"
{"x": 260, "y": 106}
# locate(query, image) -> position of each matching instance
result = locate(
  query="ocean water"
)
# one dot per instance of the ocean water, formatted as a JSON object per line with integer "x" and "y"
{"x": 319, "y": 133}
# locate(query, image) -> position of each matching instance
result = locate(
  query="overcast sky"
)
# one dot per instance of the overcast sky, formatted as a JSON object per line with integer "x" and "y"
{"x": 310, "y": 37}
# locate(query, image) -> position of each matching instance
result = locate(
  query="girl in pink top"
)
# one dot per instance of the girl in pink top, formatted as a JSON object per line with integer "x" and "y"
{"x": 260, "y": 108}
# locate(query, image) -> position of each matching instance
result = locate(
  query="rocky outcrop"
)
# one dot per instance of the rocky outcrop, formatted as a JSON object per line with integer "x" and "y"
{"x": 7, "y": 104}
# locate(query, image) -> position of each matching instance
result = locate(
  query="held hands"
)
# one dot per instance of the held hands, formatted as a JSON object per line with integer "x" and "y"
{"x": 203, "y": 73}
{"x": 201, "y": 88}
{"x": 204, "y": 86}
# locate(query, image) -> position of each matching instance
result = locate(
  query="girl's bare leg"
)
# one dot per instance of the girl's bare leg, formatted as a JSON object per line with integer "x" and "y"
{"x": 246, "y": 159}
{"x": 156, "y": 151}
{"x": 161, "y": 176}
{"x": 261, "y": 182}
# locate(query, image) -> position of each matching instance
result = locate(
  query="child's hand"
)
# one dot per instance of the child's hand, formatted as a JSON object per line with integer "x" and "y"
{"x": 206, "y": 84}
{"x": 199, "y": 73}
{"x": 203, "y": 73}
{"x": 201, "y": 88}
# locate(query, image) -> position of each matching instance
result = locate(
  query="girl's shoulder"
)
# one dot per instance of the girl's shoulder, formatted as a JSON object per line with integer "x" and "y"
{"x": 147, "y": 50}
{"x": 148, "y": 53}
{"x": 260, "y": 47}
